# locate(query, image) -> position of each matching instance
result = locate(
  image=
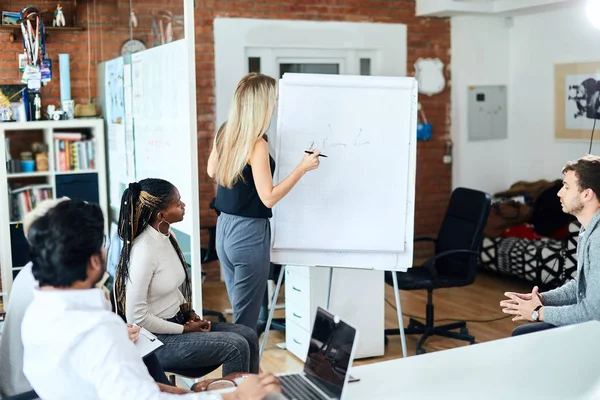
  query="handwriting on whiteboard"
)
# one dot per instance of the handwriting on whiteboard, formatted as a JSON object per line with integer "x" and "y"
{"x": 359, "y": 140}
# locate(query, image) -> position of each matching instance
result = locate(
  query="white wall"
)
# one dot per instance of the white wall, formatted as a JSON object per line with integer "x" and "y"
{"x": 537, "y": 42}
{"x": 238, "y": 38}
{"x": 486, "y": 51}
{"x": 448, "y": 8}
{"x": 480, "y": 56}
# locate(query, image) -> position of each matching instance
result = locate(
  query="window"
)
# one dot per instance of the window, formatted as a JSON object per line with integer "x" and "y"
{"x": 309, "y": 68}
{"x": 365, "y": 66}
{"x": 253, "y": 64}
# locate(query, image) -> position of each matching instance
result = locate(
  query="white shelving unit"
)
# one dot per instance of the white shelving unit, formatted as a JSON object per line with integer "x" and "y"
{"x": 20, "y": 133}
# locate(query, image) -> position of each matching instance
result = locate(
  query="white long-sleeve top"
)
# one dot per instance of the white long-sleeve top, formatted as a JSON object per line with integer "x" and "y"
{"x": 12, "y": 380}
{"x": 155, "y": 275}
{"x": 76, "y": 348}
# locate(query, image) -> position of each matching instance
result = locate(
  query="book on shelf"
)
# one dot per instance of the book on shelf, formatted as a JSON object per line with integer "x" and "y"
{"x": 24, "y": 199}
{"x": 73, "y": 152}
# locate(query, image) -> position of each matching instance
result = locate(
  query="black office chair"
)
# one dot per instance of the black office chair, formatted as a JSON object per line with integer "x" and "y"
{"x": 453, "y": 265}
{"x": 209, "y": 253}
{"x": 31, "y": 395}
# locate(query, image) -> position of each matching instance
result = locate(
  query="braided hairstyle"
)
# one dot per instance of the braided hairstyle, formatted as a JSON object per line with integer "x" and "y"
{"x": 140, "y": 204}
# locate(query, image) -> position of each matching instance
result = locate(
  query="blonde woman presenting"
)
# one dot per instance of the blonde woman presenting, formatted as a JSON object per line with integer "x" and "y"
{"x": 241, "y": 165}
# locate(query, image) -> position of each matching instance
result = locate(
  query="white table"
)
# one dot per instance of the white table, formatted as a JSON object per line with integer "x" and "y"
{"x": 561, "y": 363}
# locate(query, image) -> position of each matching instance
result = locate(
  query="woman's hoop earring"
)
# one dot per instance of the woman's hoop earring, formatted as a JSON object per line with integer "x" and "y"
{"x": 168, "y": 227}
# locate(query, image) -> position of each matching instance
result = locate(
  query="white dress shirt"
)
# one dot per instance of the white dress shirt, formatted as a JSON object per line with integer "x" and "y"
{"x": 75, "y": 347}
{"x": 12, "y": 380}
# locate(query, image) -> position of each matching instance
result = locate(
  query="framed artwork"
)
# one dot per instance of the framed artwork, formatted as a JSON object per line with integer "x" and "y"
{"x": 576, "y": 100}
{"x": 10, "y": 18}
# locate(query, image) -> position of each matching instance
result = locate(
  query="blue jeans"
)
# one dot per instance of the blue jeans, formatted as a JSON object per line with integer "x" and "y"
{"x": 196, "y": 354}
{"x": 155, "y": 369}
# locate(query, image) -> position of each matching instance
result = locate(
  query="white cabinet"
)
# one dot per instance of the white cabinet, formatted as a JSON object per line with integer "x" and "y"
{"x": 357, "y": 296}
{"x": 305, "y": 290}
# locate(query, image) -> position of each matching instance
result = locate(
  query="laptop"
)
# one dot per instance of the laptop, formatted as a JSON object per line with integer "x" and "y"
{"x": 330, "y": 355}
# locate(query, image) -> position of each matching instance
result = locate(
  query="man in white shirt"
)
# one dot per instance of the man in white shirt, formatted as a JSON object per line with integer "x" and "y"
{"x": 12, "y": 380}
{"x": 75, "y": 347}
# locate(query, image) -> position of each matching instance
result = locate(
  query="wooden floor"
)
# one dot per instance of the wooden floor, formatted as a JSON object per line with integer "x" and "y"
{"x": 475, "y": 302}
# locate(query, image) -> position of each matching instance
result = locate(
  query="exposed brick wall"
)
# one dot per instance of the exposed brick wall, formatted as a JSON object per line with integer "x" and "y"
{"x": 70, "y": 42}
{"x": 106, "y": 24}
{"x": 427, "y": 37}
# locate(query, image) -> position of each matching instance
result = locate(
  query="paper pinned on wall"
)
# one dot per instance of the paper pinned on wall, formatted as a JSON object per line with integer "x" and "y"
{"x": 121, "y": 150}
{"x": 130, "y": 160}
{"x": 138, "y": 84}
{"x": 162, "y": 130}
{"x": 128, "y": 97}
{"x": 129, "y": 139}
{"x": 115, "y": 108}
{"x": 127, "y": 75}
{"x": 115, "y": 162}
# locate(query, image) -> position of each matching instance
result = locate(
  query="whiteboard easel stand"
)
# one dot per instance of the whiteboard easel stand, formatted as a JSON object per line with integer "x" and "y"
{"x": 271, "y": 312}
{"x": 399, "y": 311}
{"x": 276, "y": 294}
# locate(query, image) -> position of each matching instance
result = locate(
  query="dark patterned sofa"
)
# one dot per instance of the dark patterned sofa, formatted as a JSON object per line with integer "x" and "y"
{"x": 547, "y": 263}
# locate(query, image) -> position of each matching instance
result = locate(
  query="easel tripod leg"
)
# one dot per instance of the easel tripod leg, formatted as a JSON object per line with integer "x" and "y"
{"x": 399, "y": 310}
{"x": 271, "y": 312}
{"x": 329, "y": 288}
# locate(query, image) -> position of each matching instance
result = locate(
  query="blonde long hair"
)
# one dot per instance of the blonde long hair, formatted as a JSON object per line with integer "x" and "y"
{"x": 249, "y": 117}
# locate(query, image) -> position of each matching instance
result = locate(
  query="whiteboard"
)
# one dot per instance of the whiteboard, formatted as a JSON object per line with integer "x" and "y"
{"x": 357, "y": 208}
{"x": 161, "y": 120}
{"x": 153, "y": 132}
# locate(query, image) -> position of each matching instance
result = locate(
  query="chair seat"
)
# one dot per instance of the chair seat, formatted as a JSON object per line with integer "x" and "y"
{"x": 419, "y": 278}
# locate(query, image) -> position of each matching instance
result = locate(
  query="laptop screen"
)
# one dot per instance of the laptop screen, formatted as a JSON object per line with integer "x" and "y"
{"x": 329, "y": 353}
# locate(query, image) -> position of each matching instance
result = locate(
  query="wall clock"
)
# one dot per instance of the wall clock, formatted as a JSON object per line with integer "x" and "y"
{"x": 132, "y": 46}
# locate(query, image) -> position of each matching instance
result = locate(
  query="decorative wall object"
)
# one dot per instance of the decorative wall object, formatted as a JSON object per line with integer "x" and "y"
{"x": 576, "y": 99}
{"x": 59, "y": 16}
{"x": 430, "y": 74}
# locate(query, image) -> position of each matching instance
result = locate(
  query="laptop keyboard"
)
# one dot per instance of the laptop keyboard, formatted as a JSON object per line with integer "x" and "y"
{"x": 295, "y": 387}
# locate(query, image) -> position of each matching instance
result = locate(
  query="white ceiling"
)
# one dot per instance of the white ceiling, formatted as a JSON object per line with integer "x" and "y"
{"x": 446, "y": 8}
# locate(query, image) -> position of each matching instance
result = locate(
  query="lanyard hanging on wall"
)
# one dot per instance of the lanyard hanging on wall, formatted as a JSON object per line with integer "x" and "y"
{"x": 32, "y": 28}
{"x": 38, "y": 68}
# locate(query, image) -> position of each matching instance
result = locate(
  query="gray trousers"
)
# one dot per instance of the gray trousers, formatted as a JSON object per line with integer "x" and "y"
{"x": 531, "y": 328}
{"x": 243, "y": 246}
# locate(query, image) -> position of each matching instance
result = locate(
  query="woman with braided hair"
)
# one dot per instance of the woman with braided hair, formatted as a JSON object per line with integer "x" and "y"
{"x": 152, "y": 288}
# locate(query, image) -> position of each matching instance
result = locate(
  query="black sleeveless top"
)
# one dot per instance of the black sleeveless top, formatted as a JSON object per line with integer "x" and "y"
{"x": 242, "y": 199}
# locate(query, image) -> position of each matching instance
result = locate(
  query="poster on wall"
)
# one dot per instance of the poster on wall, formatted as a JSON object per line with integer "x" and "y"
{"x": 129, "y": 140}
{"x": 115, "y": 106}
{"x": 116, "y": 161}
{"x": 577, "y": 99}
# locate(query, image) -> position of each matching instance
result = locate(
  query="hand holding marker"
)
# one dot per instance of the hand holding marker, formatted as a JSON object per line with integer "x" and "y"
{"x": 311, "y": 160}
{"x": 312, "y": 146}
